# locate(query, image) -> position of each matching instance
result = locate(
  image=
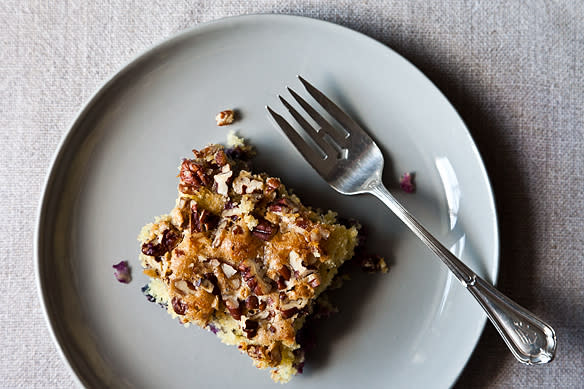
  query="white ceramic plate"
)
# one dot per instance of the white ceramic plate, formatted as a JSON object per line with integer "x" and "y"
{"x": 115, "y": 170}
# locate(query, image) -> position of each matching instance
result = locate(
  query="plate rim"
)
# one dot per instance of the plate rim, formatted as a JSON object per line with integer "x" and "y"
{"x": 125, "y": 68}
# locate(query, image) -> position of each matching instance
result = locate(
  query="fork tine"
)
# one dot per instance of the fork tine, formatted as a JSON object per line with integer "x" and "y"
{"x": 349, "y": 124}
{"x": 316, "y": 136}
{"x": 305, "y": 149}
{"x": 322, "y": 122}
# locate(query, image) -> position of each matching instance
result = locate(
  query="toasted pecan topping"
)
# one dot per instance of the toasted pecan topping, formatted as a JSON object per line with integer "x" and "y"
{"x": 179, "y": 306}
{"x": 220, "y": 157}
{"x": 281, "y": 283}
{"x": 153, "y": 249}
{"x": 264, "y": 304}
{"x": 184, "y": 287}
{"x": 281, "y": 204}
{"x": 228, "y": 270}
{"x": 264, "y": 230}
{"x": 252, "y": 302}
{"x": 170, "y": 238}
{"x": 250, "y": 328}
{"x": 202, "y": 220}
{"x": 234, "y": 308}
{"x": 313, "y": 280}
{"x": 285, "y": 272}
{"x": 251, "y": 253}
{"x": 224, "y": 118}
{"x": 192, "y": 176}
{"x": 253, "y": 276}
{"x": 211, "y": 279}
{"x": 245, "y": 183}
{"x": 302, "y": 223}
{"x": 222, "y": 180}
{"x": 272, "y": 184}
{"x": 288, "y": 313}
{"x": 186, "y": 189}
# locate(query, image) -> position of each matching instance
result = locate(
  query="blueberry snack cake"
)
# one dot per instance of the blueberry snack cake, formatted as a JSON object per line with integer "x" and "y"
{"x": 242, "y": 257}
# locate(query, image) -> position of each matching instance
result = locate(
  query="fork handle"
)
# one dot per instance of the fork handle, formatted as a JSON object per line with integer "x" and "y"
{"x": 531, "y": 340}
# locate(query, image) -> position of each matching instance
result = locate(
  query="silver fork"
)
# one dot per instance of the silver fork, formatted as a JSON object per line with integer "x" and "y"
{"x": 350, "y": 161}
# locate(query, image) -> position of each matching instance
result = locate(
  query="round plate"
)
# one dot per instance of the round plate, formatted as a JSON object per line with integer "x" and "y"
{"x": 116, "y": 169}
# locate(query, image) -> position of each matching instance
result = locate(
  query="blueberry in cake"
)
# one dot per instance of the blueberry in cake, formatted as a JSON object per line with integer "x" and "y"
{"x": 241, "y": 256}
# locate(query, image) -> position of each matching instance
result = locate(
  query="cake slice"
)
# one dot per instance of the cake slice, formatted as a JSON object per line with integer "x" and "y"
{"x": 242, "y": 257}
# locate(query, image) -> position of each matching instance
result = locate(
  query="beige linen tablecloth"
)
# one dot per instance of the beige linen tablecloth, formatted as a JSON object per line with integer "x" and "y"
{"x": 513, "y": 69}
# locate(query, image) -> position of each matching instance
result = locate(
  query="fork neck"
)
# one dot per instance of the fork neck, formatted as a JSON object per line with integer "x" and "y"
{"x": 464, "y": 274}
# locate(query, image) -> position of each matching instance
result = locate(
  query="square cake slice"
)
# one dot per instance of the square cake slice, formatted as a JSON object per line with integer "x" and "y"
{"x": 241, "y": 256}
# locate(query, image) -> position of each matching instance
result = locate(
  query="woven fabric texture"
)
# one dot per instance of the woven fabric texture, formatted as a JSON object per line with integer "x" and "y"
{"x": 514, "y": 71}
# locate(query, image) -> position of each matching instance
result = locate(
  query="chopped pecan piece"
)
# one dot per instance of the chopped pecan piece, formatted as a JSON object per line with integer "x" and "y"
{"x": 235, "y": 312}
{"x": 187, "y": 189}
{"x": 283, "y": 297}
{"x": 153, "y": 249}
{"x": 206, "y": 285}
{"x": 272, "y": 355}
{"x": 296, "y": 263}
{"x": 272, "y": 184}
{"x": 250, "y": 328}
{"x": 212, "y": 279}
{"x": 202, "y": 220}
{"x": 179, "y": 306}
{"x": 192, "y": 175}
{"x": 228, "y": 270}
{"x": 288, "y": 313}
{"x": 244, "y": 183}
{"x": 262, "y": 315}
{"x": 253, "y": 275}
{"x": 184, "y": 287}
{"x": 222, "y": 179}
{"x": 264, "y": 230}
{"x": 281, "y": 282}
{"x": 252, "y": 302}
{"x": 233, "y": 307}
{"x": 224, "y": 118}
{"x": 254, "y": 351}
{"x": 302, "y": 223}
{"x": 170, "y": 238}
{"x": 220, "y": 158}
{"x": 285, "y": 272}
{"x": 313, "y": 281}
{"x": 280, "y": 205}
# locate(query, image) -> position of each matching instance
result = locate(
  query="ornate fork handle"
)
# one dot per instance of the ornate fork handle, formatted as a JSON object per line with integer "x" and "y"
{"x": 531, "y": 340}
